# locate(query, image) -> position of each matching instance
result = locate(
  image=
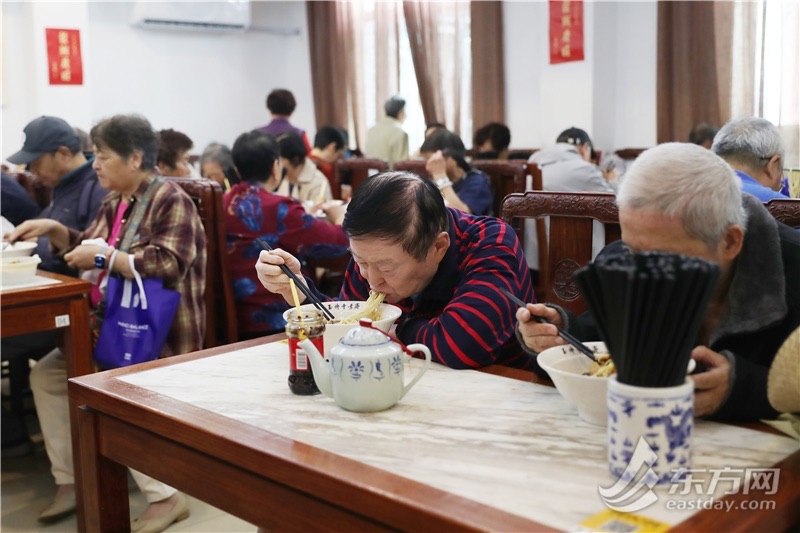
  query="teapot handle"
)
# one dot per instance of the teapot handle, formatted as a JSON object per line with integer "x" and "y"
{"x": 418, "y": 348}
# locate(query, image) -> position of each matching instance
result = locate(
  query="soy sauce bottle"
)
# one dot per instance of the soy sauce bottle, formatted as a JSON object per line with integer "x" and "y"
{"x": 308, "y": 324}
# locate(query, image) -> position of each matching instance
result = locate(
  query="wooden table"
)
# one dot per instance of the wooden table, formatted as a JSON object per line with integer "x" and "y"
{"x": 261, "y": 466}
{"x": 63, "y": 306}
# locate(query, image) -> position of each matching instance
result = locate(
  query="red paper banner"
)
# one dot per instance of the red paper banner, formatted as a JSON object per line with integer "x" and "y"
{"x": 64, "y": 57}
{"x": 566, "y": 31}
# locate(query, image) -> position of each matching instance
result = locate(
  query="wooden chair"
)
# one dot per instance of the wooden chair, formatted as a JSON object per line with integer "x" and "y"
{"x": 786, "y": 211}
{"x": 521, "y": 153}
{"x": 569, "y": 246}
{"x": 629, "y": 153}
{"x": 328, "y": 273}
{"x": 417, "y": 166}
{"x": 221, "y": 327}
{"x": 507, "y": 177}
{"x": 535, "y": 184}
{"x": 38, "y": 191}
{"x": 359, "y": 168}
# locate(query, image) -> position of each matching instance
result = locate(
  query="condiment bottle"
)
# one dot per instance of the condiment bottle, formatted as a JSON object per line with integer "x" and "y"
{"x": 308, "y": 324}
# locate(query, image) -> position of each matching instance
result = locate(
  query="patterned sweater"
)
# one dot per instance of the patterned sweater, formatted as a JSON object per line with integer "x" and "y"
{"x": 251, "y": 211}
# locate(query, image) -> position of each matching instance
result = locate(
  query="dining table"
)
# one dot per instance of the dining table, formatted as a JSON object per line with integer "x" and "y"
{"x": 51, "y": 301}
{"x": 465, "y": 450}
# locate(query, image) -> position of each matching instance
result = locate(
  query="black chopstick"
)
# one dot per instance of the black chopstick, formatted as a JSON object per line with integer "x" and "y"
{"x": 300, "y": 285}
{"x": 563, "y": 334}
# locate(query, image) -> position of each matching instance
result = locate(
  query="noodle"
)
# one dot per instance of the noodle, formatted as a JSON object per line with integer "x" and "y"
{"x": 603, "y": 368}
{"x": 371, "y": 309}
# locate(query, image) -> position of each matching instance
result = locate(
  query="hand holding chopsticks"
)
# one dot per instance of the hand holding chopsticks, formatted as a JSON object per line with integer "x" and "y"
{"x": 563, "y": 334}
{"x": 298, "y": 283}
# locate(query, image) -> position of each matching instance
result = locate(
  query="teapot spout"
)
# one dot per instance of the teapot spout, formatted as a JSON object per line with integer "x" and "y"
{"x": 322, "y": 375}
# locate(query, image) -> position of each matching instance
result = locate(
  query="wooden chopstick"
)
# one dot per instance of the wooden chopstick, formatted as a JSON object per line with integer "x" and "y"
{"x": 585, "y": 350}
{"x": 300, "y": 285}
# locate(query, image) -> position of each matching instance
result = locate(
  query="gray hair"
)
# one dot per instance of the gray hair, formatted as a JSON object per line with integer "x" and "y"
{"x": 218, "y": 153}
{"x": 687, "y": 181}
{"x": 394, "y": 105}
{"x": 749, "y": 142}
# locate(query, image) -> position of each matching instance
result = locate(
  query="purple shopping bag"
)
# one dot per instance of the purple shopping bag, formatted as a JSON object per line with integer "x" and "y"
{"x": 137, "y": 320}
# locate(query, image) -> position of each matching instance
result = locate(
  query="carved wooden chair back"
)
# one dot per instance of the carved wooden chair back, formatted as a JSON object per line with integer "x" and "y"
{"x": 507, "y": 177}
{"x": 38, "y": 191}
{"x": 359, "y": 169}
{"x": 221, "y": 327}
{"x": 629, "y": 153}
{"x": 417, "y": 166}
{"x": 569, "y": 246}
{"x": 521, "y": 153}
{"x": 786, "y": 211}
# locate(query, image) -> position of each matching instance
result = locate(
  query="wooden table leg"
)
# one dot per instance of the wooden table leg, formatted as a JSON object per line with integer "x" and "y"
{"x": 77, "y": 339}
{"x": 101, "y": 484}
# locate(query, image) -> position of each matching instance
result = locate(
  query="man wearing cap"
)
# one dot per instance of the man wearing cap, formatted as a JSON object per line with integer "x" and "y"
{"x": 568, "y": 167}
{"x": 387, "y": 139}
{"x": 52, "y": 151}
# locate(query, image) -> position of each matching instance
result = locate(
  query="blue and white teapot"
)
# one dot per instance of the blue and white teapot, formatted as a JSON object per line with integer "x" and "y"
{"x": 365, "y": 370}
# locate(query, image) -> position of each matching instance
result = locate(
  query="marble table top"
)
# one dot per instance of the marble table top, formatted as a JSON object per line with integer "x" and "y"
{"x": 510, "y": 444}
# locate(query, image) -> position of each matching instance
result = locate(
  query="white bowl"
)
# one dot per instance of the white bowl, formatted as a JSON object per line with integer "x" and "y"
{"x": 18, "y": 249}
{"x": 18, "y": 270}
{"x": 566, "y": 366}
{"x": 342, "y": 309}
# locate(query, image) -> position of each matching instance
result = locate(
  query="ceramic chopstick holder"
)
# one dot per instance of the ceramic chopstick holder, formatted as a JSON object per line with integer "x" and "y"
{"x": 663, "y": 417}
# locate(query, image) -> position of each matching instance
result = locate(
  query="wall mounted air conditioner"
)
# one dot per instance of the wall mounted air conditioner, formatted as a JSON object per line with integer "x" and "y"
{"x": 221, "y": 16}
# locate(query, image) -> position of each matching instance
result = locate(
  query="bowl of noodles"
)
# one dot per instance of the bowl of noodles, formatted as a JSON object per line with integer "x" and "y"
{"x": 580, "y": 381}
{"x": 346, "y": 315}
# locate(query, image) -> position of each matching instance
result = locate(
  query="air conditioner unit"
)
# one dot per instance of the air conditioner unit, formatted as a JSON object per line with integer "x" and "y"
{"x": 225, "y": 15}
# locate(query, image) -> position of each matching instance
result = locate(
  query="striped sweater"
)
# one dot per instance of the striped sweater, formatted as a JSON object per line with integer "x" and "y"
{"x": 461, "y": 315}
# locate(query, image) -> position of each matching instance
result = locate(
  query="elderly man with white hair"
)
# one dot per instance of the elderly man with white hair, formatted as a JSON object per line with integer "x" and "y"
{"x": 754, "y": 148}
{"x": 684, "y": 199}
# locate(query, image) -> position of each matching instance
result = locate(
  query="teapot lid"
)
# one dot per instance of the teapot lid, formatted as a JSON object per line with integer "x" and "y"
{"x": 365, "y": 335}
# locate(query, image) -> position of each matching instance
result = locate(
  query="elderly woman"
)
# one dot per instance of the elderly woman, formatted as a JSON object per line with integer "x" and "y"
{"x": 252, "y": 210}
{"x": 302, "y": 181}
{"x": 462, "y": 186}
{"x": 216, "y": 164}
{"x": 173, "y": 153}
{"x": 169, "y": 243}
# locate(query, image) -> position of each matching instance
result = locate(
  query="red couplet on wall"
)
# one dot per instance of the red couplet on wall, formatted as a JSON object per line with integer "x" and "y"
{"x": 566, "y": 31}
{"x": 64, "y": 56}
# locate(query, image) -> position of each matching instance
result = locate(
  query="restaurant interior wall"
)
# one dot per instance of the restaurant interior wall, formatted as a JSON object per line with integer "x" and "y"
{"x": 611, "y": 94}
{"x": 212, "y": 86}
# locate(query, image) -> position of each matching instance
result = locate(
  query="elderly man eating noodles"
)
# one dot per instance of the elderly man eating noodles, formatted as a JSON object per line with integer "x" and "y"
{"x": 442, "y": 267}
{"x": 682, "y": 198}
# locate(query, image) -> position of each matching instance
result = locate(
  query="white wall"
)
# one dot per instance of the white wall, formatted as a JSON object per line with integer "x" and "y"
{"x": 611, "y": 94}
{"x": 213, "y": 86}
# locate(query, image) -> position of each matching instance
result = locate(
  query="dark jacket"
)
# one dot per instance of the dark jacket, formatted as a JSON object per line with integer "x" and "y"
{"x": 75, "y": 202}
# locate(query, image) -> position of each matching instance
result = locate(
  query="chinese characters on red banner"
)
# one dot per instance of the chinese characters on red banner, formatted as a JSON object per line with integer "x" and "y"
{"x": 64, "y": 57}
{"x": 566, "y": 31}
